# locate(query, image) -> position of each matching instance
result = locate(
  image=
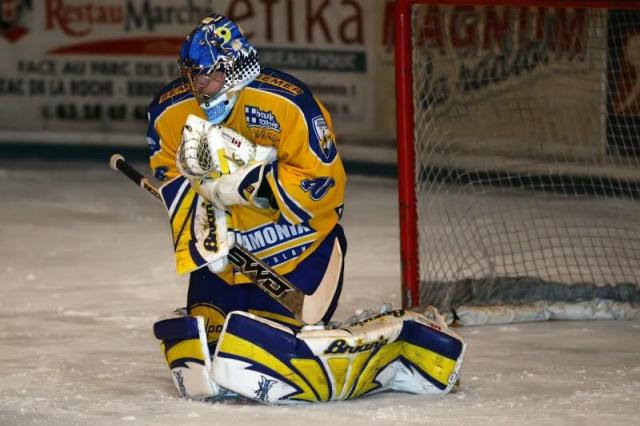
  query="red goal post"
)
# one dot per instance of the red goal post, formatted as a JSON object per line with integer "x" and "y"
{"x": 408, "y": 168}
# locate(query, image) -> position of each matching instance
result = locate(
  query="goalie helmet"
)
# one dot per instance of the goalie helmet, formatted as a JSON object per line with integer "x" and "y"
{"x": 218, "y": 45}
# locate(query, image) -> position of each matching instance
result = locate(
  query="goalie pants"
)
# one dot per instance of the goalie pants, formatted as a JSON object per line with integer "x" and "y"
{"x": 211, "y": 297}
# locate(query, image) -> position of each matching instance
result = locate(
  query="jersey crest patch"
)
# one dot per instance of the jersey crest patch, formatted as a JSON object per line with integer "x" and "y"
{"x": 324, "y": 145}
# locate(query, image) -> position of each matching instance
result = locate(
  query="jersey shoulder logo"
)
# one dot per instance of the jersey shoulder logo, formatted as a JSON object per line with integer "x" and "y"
{"x": 326, "y": 148}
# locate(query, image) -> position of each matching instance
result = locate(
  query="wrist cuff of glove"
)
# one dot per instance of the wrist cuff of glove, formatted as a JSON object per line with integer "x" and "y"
{"x": 251, "y": 186}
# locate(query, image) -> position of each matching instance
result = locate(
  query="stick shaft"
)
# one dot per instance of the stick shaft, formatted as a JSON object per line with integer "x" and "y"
{"x": 119, "y": 163}
{"x": 243, "y": 261}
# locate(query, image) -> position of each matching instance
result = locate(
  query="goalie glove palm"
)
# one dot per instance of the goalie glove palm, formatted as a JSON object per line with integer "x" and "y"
{"x": 208, "y": 150}
{"x": 238, "y": 188}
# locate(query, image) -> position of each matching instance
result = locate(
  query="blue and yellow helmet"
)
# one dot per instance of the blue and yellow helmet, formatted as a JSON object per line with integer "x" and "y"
{"x": 218, "y": 44}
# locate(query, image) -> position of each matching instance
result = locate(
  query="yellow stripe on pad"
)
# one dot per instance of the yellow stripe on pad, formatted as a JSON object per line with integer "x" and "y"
{"x": 366, "y": 381}
{"x": 237, "y": 346}
{"x": 338, "y": 368}
{"x": 314, "y": 375}
{"x": 190, "y": 348}
{"x": 433, "y": 364}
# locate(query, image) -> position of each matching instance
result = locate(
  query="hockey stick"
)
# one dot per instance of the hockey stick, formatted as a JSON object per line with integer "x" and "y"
{"x": 243, "y": 261}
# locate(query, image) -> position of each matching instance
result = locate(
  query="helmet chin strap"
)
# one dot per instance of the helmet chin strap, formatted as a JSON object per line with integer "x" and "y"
{"x": 218, "y": 108}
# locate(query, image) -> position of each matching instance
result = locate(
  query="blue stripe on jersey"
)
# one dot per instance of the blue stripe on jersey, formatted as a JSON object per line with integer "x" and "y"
{"x": 195, "y": 256}
{"x": 310, "y": 272}
{"x": 282, "y": 220}
{"x": 297, "y": 210}
{"x": 153, "y": 139}
{"x": 170, "y": 191}
{"x": 179, "y": 203}
{"x": 320, "y": 139}
{"x": 174, "y": 92}
{"x": 295, "y": 88}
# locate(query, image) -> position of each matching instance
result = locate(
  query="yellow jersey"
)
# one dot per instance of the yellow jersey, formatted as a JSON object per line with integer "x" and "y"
{"x": 307, "y": 179}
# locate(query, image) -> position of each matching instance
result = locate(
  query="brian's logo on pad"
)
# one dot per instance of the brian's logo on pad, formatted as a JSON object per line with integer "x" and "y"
{"x": 341, "y": 346}
{"x": 258, "y": 118}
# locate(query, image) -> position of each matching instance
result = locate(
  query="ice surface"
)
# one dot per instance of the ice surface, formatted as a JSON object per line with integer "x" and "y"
{"x": 86, "y": 268}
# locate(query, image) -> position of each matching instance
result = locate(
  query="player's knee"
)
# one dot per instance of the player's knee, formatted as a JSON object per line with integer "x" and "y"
{"x": 213, "y": 317}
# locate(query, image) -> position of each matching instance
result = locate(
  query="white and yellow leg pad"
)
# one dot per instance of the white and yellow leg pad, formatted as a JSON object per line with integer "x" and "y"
{"x": 184, "y": 346}
{"x": 398, "y": 350}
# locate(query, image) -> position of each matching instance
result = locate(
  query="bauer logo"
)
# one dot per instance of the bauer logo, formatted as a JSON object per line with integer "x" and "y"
{"x": 256, "y": 117}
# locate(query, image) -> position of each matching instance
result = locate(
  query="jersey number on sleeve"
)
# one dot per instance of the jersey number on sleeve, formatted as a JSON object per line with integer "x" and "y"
{"x": 318, "y": 187}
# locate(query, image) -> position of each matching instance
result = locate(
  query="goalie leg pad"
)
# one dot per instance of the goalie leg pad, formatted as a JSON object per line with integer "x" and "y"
{"x": 184, "y": 346}
{"x": 268, "y": 362}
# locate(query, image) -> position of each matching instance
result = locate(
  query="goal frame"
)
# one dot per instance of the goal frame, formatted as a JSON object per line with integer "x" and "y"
{"x": 407, "y": 199}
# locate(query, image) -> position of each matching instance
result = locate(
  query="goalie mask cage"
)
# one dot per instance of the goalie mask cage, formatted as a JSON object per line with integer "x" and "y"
{"x": 518, "y": 126}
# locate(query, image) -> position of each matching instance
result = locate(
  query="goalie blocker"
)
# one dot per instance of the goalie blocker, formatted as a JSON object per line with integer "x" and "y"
{"x": 267, "y": 362}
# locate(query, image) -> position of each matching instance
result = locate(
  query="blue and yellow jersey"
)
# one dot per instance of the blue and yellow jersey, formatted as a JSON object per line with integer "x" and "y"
{"x": 307, "y": 178}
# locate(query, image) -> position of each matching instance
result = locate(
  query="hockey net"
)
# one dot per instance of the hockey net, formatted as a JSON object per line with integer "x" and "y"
{"x": 519, "y": 158}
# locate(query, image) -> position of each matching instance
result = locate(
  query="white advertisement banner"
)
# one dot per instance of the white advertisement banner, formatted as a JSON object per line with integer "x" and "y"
{"x": 89, "y": 66}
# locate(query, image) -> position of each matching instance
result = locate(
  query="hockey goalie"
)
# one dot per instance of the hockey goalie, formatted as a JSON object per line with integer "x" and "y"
{"x": 249, "y": 161}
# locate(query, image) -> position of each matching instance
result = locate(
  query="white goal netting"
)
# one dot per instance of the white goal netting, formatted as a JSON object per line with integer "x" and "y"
{"x": 527, "y": 148}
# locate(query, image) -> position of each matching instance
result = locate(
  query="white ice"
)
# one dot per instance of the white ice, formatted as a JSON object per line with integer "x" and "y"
{"x": 86, "y": 268}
